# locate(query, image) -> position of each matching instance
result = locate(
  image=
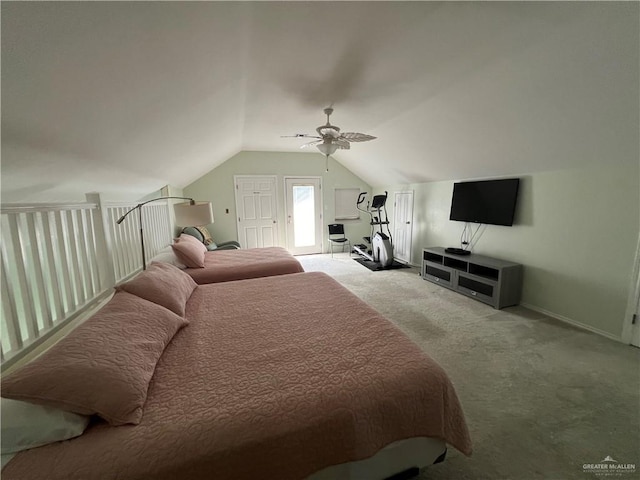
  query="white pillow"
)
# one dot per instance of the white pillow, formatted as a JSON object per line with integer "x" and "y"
{"x": 26, "y": 425}
{"x": 166, "y": 255}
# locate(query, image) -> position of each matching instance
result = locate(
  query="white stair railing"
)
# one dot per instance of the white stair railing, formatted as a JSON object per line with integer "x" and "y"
{"x": 126, "y": 251}
{"x": 59, "y": 260}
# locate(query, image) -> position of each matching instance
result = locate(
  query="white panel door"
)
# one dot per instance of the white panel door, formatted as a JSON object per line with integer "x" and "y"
{"x": 304, "y": 215}
{"x": 256, "y": 208}
{"x": 402, "y": 226}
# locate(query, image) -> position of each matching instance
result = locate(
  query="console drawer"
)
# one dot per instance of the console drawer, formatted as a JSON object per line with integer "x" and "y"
{"x": 439, "y": 275}
{"x": 484, "y": 291}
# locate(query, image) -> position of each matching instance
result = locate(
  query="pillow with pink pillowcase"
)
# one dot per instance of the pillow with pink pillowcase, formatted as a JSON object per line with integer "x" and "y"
{"x": 188, "y": 238}
{"x": 162, "y": 284}
{"x": 104, "y": 366}
{"x": 189, "y": 251}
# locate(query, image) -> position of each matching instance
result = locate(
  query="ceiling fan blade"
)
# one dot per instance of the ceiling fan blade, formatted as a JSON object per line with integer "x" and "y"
{"x": 311, "y": 144}
{"x": 300, "y": 135}
{"x": 356, "y": 137}
{"x": 342, "y": 144}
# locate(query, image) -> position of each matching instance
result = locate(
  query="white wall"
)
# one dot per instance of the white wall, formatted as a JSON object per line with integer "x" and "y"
{"x": 575, "y": 232}
{"x": 217, "y": 186}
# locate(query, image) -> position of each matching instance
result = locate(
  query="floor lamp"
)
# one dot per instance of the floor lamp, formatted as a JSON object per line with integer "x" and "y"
{"x": 191, "y": 213}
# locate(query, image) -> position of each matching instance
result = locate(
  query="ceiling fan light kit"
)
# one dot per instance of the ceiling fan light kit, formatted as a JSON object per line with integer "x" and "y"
{"x": 329, "y": 138}
{"x": 327, "y": 148}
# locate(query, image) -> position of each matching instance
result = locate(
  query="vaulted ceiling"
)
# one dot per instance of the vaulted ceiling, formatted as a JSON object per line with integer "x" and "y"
{"x": 125, "y": 97}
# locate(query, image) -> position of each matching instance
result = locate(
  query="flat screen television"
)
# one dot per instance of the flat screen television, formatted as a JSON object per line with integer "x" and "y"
{"x": 488, "y": 201}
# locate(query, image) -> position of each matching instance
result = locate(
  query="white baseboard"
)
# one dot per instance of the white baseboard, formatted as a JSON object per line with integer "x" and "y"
{"x": 570, "y": 321}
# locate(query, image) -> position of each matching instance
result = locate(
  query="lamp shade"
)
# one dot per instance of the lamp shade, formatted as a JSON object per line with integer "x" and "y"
{"x": 188, "y": 215}
{"x": 327, "y": 148}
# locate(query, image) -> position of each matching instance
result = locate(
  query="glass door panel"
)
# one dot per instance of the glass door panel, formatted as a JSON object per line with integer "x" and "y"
{"x": 304, "y": 215}
{"x": 304, "y": 225}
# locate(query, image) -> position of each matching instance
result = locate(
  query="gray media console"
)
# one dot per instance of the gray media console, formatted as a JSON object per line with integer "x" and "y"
{"x": 487, "y": 279}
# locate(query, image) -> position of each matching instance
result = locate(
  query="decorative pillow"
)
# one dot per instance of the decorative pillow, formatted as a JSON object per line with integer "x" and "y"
{"x": 163, "y": 284}
{"x": 104, "y": 366}
{"x": 26, "y": 425}
{"x": 190, "y": 237}
{"x": 208, "y": 240}
{"x": 193, "y": 232}
{"x": 190, "y": 252}
{"x": 166, "y": 255}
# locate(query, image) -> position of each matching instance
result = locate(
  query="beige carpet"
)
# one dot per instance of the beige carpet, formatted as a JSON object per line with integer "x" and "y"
{"x": 541, "y": 397}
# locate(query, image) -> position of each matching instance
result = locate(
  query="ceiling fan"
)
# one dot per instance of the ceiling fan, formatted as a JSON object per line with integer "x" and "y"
{"x": 329, "y": 138}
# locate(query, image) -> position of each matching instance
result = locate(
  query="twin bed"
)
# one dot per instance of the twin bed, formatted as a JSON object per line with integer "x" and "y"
{"x": 285, "y": 377}
{"x": 228, "y": 265}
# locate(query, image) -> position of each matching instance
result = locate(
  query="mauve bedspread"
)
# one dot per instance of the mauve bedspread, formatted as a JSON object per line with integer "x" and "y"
{"x": 274, "y": 378}
{"x": 228, "y": 265}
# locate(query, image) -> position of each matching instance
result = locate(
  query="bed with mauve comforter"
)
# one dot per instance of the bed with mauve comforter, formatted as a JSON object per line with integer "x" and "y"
{"x": 274, "y": 378}
{"x": 228, "y": 265}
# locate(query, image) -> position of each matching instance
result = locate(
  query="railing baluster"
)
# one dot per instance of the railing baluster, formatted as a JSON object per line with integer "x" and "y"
{"x": 57, "y": 298}
{"x": 153, "y": 233}
{"x": 124, "y": 249}
{"x": 163, "y": 227}
{"x": 38, "y": 284}
{"x": 159, "y": 227}
{"x": 123, "y": 252}
{"x": 150, "y": 241}
{"x": 9, "y": 309}
{"x": 118, "y": 264}
{"x": 72, "y": 258}
{"x": 89, "y": 239}
{"x": 26, "y": 295}
{"x": 132, "y": 241}
{"x": 42, "y": 239}
{"x": 62, "y": 262}
{"x": 81, "y": 245}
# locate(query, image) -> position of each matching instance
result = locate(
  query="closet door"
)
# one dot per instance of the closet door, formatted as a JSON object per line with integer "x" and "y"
{"x": 256, "y": 207}
{"x": 402, "y": 226}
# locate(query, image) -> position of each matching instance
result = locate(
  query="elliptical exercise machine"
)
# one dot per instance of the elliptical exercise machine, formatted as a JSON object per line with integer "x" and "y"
{"x": 381, "y": 250}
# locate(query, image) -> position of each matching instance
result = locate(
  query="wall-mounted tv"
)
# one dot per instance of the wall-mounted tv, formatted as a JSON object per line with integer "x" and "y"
{"x": 488, "y": 201}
